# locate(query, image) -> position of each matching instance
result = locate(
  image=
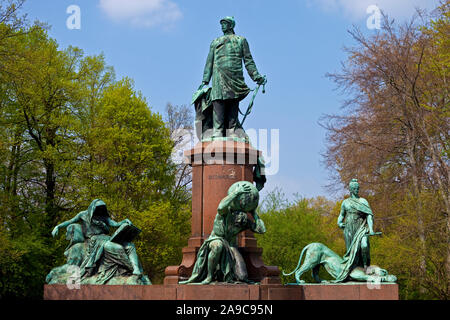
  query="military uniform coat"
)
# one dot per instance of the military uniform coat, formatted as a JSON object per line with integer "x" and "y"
{"x": 224, "y": 66}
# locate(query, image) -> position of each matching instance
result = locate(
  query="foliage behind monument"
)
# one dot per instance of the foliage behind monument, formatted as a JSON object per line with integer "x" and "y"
{"x": 394, "y": 136}
{"x": 71, "y": 133}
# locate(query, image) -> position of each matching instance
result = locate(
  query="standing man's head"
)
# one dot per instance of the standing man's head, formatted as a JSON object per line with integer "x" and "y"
{"x": 354, "y": 187}
{"x": 228, "y": 25}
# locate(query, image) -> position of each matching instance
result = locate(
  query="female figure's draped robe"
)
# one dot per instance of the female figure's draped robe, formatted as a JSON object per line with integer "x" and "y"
{"x": 355, "y": 230}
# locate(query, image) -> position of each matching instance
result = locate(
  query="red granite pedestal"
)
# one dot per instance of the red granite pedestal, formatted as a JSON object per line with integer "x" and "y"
{"x": 347, "y": 291}
{"x": 215, "y": 167}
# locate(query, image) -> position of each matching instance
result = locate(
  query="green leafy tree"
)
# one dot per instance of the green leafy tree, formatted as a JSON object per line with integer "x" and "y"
{"x": 71, "y": 133}
{"x": 128, "y": 165}
{"x": 394, "y": 139}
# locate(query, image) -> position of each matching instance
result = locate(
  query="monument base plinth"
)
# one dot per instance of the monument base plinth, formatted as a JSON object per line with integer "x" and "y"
{"x": 219, "y": 291}
{"x": 216, "y": 166}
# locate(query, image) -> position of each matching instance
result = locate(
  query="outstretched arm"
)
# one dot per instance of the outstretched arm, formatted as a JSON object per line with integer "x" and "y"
{"x": 115, "y": 224}
{"x": 64, "y": 224}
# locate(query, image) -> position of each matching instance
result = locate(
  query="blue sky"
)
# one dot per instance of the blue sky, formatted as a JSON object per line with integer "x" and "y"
{"x": 163, "y": 45}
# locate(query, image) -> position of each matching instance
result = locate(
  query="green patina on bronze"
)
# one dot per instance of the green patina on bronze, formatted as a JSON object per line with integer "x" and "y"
{"x": 319, "y": 255}
{"x": 356, "y": 219}
{"x": 218, "y": 258}
{"x": 99, "y": 257}
{"x": 224, "y": 66}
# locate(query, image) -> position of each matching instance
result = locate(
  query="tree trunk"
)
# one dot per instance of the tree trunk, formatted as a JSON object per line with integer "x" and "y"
{"x": 412, "y": 158}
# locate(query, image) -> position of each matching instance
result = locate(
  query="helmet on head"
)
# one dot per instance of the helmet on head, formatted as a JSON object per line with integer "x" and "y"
{"x": 230, "y": 20}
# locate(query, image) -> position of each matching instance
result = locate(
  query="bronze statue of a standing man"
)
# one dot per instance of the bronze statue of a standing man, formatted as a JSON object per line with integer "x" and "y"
{"x": 224, "y": 65}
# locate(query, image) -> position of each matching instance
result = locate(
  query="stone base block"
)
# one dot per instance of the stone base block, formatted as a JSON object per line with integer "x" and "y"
{"x": 348, "y": 291}
{"x": 345, "y": 291}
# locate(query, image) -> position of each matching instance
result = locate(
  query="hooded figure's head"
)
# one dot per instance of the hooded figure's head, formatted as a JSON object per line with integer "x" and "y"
{"x": 97, "y": 209}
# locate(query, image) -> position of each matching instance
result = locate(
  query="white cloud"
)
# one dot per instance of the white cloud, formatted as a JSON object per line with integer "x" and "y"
{"x": 142, "y": 13}
{"x": 356, "y": 9}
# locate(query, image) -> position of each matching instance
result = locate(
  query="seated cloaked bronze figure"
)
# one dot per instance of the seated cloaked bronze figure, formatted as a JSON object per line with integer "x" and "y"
{"x": 101, "y": 258}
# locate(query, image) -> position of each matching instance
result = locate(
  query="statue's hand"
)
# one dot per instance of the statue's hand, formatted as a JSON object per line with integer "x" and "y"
{"x": 55, "y": 231}
{"x": 244, "y": 189}
{"x": 202, "y": 85}
{"x": 262, "y": 80}
{"x": 341, "y": 225}
{"x": 126, "y": 221}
